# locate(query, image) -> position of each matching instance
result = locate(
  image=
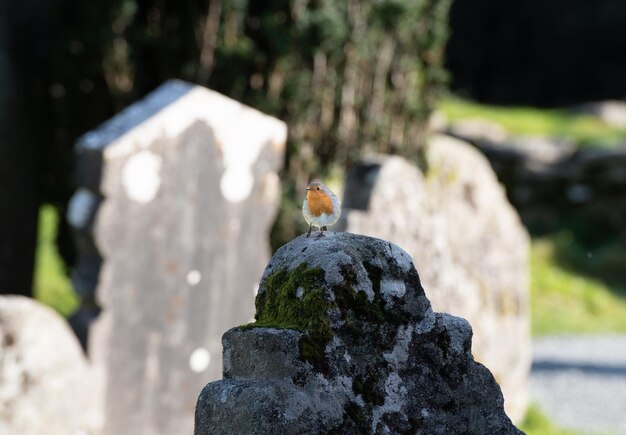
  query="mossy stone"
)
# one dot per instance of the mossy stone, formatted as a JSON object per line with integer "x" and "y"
{"x": 295, "y": 299}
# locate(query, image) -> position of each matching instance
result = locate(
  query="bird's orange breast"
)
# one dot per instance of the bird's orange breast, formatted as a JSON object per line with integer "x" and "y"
{"x": 319, "y": 203}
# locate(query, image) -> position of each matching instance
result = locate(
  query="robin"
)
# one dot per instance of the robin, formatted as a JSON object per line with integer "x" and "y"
{"x": 321, "y": 207}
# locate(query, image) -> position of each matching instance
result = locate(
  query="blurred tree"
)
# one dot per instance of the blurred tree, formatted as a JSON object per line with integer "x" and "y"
{"x": 348, "y": 77}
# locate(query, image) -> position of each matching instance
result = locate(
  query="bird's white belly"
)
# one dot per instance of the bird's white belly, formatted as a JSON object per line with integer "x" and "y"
{"x": 322, "y": 220}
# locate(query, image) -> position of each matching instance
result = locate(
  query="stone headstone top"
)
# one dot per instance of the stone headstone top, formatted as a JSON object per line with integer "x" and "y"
{"x": 169, "y": 111}
{"x": 107, "y": 133}
{"x": 612, "y": 112}
{"x": 345, "y": 341}
{"x": 46, "y": 384}
{"x": 467, "y": 243}
{"x": 176, "y": 198}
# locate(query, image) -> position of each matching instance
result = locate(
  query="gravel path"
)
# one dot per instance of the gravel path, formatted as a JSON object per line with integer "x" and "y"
{"x": 580, "y": 381}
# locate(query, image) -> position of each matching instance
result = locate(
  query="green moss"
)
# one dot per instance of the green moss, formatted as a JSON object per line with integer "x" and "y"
{"x": 312, "y": 347}
{"x": 281, "y": 306}
{"x": 357, "y": 307}
{"x": 295, "y": 299}
{"x": 351, "y": 326}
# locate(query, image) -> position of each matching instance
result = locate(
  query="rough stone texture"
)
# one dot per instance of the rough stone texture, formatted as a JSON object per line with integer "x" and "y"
{"x": 466, "y": 241}
{"x": 177, "y": 196}
{"x": 45, "y": 382}
{"x": 388, "y": 364}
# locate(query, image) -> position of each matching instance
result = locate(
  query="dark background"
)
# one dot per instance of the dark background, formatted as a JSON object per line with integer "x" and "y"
{"x": 538, "y": 52}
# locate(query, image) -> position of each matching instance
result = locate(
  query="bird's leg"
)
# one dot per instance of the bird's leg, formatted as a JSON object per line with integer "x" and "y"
{"x": 308, "y": 233}
{"x": 320, "y": 233}
{"x": 324, "y": 228}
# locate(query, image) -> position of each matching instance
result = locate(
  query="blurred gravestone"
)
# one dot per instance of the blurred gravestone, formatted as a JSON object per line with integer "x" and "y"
{"x": 467, "y": 243}
{"x": 46, "y": 385}
{"x": 176, "y": 197}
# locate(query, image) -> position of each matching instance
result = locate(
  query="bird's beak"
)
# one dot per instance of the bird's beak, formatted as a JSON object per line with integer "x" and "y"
{"x": 308, "y": 188}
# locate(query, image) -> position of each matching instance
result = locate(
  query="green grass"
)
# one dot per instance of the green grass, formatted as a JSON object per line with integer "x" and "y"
{"x": 582, "y": 130}
{"x": 537, "y": 423}
{"x": 567, "y": 297}
{"x": 51, "y": 285}
{"x": 597, "y": 257}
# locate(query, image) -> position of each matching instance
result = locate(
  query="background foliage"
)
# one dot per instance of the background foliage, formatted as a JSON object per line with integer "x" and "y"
{"x": 347, "y": 76}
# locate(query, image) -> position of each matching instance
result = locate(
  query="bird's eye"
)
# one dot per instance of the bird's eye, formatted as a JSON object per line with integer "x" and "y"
{"x": 318, "y": 188}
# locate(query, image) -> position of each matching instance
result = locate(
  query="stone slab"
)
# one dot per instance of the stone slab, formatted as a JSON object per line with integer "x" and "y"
{"x": 187, "y": 190}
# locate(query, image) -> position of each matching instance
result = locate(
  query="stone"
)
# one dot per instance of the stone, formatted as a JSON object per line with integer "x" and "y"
{"x": 554, "y": 182}
{"x": 437, "y": 122}
{"x": 476, "y": 130}
{"x": 538, "y": 152}
{"x": 177, "y": 196}
{"x": 612, "y": 112}
{"x": 345, "y": 341}
{"x": 512, "y": 153}
{"x": 46, "y": 385}
{"x": 549, "y": 179}
{"x": 467, "y": 243}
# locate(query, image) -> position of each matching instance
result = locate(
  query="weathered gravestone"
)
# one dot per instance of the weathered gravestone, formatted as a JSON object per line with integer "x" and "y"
{"x": 46, "y": 385}
{"x": 467, "y": 242}
{"x": 189, "y": 190}
{"x": 359, "y": 351}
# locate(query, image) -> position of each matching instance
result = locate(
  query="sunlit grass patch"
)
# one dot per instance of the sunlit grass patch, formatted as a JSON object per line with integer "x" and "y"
{"x": 565, "y": 301}
{"x": 537, "y": 423}
{"x": 51, "y": 284}
{"x": 583, "y": 130}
